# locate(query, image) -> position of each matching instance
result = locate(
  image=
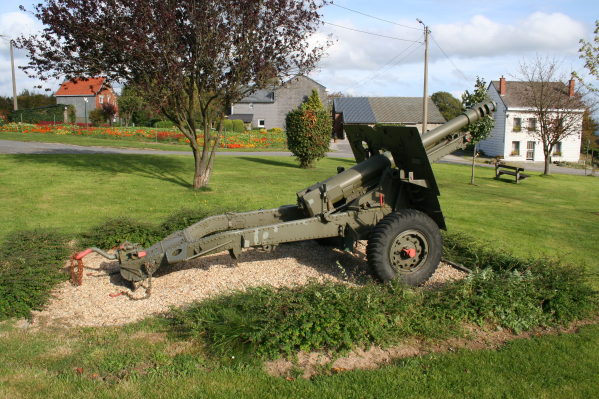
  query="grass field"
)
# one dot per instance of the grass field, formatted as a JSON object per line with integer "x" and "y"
{"x": 139, "y": 362}
{"x": 107, "y": 142}
{"x": 554, "y": 216}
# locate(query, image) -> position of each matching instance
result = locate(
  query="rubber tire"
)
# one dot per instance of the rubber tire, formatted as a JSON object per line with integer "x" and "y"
{"x": 383, "y": 236}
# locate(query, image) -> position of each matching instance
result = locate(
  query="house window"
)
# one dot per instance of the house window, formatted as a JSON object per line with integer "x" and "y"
{"x": 251, "y": 106}
{"x": 532, "y": 124}
{"x": 517, "y": 124}
{"x": 260, "y": 122}
{"x": 101, "y": 99}
{"x": 515, "y": 148}
{"x": 557, "y": 149}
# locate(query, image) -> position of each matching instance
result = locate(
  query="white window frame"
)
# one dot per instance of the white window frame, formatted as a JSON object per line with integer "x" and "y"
{"x": 101, "y": 99}
{"x": 261, "y": 123}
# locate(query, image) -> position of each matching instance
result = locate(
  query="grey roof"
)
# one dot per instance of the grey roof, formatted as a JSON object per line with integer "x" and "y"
{"x": 246, "y": 118}
{"x": 260, "y": 96}
{"x": 515, "y": 94}
{"x": 370, "y": 110}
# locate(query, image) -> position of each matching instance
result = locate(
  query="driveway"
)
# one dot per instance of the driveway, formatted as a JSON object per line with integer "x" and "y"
{"x": 340, "y": 149}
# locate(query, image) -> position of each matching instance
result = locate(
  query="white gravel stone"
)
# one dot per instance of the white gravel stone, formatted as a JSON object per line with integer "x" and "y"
{"x": 91, "y": 304}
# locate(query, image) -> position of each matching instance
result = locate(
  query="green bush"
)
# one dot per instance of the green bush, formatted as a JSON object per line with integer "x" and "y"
{"x": 238, "y": 126}
{"x": 309, "y": 131}
{"x": 96, "y": 117}
{"x": 114, "y": 231}
{"x": 164, "y": 124}
{"x": 227, "y": 125}
{"x": 30, "y": 266}
{"x": 511, "y": 293}
{"x": 183, "y": 219}
{"x": 48, "y": 113}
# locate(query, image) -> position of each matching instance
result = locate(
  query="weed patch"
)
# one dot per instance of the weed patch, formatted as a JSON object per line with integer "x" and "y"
{"x": 512, "y": 293}
{"x": 30, "y": 266}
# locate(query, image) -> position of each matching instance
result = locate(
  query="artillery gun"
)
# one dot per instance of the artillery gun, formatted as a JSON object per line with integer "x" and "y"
{"x": 389, "y": 198}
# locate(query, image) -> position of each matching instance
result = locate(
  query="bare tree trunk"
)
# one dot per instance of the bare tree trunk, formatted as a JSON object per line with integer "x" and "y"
{"x": 204, "y": 160}
{"x": 473, "y": 156}
{"x": 546, "y": 169}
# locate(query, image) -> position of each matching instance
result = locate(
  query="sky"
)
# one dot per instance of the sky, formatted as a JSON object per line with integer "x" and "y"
{"x": 468, "y": 39}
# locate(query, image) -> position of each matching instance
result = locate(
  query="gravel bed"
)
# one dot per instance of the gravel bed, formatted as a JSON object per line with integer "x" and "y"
{"x": 105, "y": 299}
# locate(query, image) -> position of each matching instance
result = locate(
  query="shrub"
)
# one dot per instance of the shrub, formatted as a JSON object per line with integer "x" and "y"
{"x": 182, "y": 219}
{"x": 114, "y": 231}
{"x": 96, "y": 117}
{"x": 164, "y": 124}
{"x": 35, "y": 115}
{"x": 238, "y": 126}
{"x": 227, "y": 125}
{"x": 30, "y": 266}
{"x": 308, "y": 135}
{"x": 511, "y": 293}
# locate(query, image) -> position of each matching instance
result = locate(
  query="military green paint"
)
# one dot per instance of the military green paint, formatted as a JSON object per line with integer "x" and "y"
{"x": 393, "y": 173}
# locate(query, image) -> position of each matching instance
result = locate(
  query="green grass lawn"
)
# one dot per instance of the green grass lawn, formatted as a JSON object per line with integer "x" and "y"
{"x": 556, "y": 216}
{"x": 107, "y": 142}
{"x": 139, "y": 362}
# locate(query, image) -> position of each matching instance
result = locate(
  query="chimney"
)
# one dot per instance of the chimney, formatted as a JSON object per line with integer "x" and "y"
{"x": 502, "y": 88}
{"x": 571, "y": 88}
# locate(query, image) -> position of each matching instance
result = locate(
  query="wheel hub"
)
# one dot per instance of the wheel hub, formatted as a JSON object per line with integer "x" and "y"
{"x": 408, "y": 251}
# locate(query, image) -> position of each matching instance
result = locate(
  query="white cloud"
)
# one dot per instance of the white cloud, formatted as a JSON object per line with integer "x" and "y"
{"x": 13, "y": 25}
{"x": 538, "y": 32}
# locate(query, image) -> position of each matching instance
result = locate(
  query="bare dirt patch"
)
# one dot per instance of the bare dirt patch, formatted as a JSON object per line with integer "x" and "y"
{"x": 105, "y": 299}
{"x": 313, "y": 363}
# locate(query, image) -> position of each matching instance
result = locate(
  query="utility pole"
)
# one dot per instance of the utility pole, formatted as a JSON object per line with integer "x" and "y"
{"x": 14, "y": 82}
{"x": 425, "y": 95}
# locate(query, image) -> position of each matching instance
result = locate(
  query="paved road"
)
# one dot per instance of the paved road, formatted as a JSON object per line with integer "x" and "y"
{"x": 339, "y": 150}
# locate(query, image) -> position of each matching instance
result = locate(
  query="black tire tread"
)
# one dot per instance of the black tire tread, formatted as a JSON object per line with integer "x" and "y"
{"x": 386, "y": 231}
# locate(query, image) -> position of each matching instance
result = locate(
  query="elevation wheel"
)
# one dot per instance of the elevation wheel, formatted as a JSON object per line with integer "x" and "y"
{"x": 405, "y": 246}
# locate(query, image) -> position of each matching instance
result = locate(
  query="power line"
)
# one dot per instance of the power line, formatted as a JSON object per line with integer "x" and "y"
{"x": 371, "y": 33}
{"x": 372, "y": 16}
{"x": 450, "y": 60}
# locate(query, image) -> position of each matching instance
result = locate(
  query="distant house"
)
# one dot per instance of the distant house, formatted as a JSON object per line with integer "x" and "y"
{"x": 512, "y": 137}
{"x": 406, "y": 111}
{"x": 85, "y": 95}
{"x": 268, "y": 108}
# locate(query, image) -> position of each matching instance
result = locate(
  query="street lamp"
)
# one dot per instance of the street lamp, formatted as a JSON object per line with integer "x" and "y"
{"x": 85, "y": 109}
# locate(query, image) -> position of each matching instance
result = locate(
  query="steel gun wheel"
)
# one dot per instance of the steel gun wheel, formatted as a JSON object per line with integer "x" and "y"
{"x": 405, "y": 246}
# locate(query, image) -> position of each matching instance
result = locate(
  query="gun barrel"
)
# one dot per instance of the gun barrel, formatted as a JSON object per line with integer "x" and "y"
{"x": 431, "y": 138}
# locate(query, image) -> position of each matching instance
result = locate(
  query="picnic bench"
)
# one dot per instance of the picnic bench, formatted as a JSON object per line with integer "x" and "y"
{"x": 504, "y": 169}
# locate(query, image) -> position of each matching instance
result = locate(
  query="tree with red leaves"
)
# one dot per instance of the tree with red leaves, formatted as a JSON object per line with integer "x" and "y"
{"x": 187, "y": 57}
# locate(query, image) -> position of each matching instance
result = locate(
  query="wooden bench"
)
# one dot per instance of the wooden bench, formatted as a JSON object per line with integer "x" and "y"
{"x": 504, "y": 169}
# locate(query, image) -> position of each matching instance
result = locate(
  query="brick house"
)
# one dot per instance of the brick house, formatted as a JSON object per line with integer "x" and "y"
{"x": 268, "y": 108}
{"x": 512, "y": 137}
{"x": 96, "y": 91}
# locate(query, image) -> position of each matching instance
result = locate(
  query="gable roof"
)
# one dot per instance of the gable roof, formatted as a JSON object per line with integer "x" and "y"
{"x": 260, "y": 96}
{"x": 81, "y": 87}
{"x": 268, "y": 95}
{"x": 371, "y": 110}
{"x": 515, "y": 93}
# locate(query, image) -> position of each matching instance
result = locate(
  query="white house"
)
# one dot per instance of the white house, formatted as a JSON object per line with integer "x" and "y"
{"x": 512, "y": 137}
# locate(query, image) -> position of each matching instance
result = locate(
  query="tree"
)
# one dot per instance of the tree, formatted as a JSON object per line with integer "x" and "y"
{"x": 186, "y": 57}
{"x": 557, "y": 110}
{"x": 448, "y": 105}
{"x": 589, "y": 52}
{"x": 130, "y": 101}
{"x": 109, "y": 111}
{"x": 589, "y": 127}
{"x": 309, "y": 131}
{"x": 480, "y": 129}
